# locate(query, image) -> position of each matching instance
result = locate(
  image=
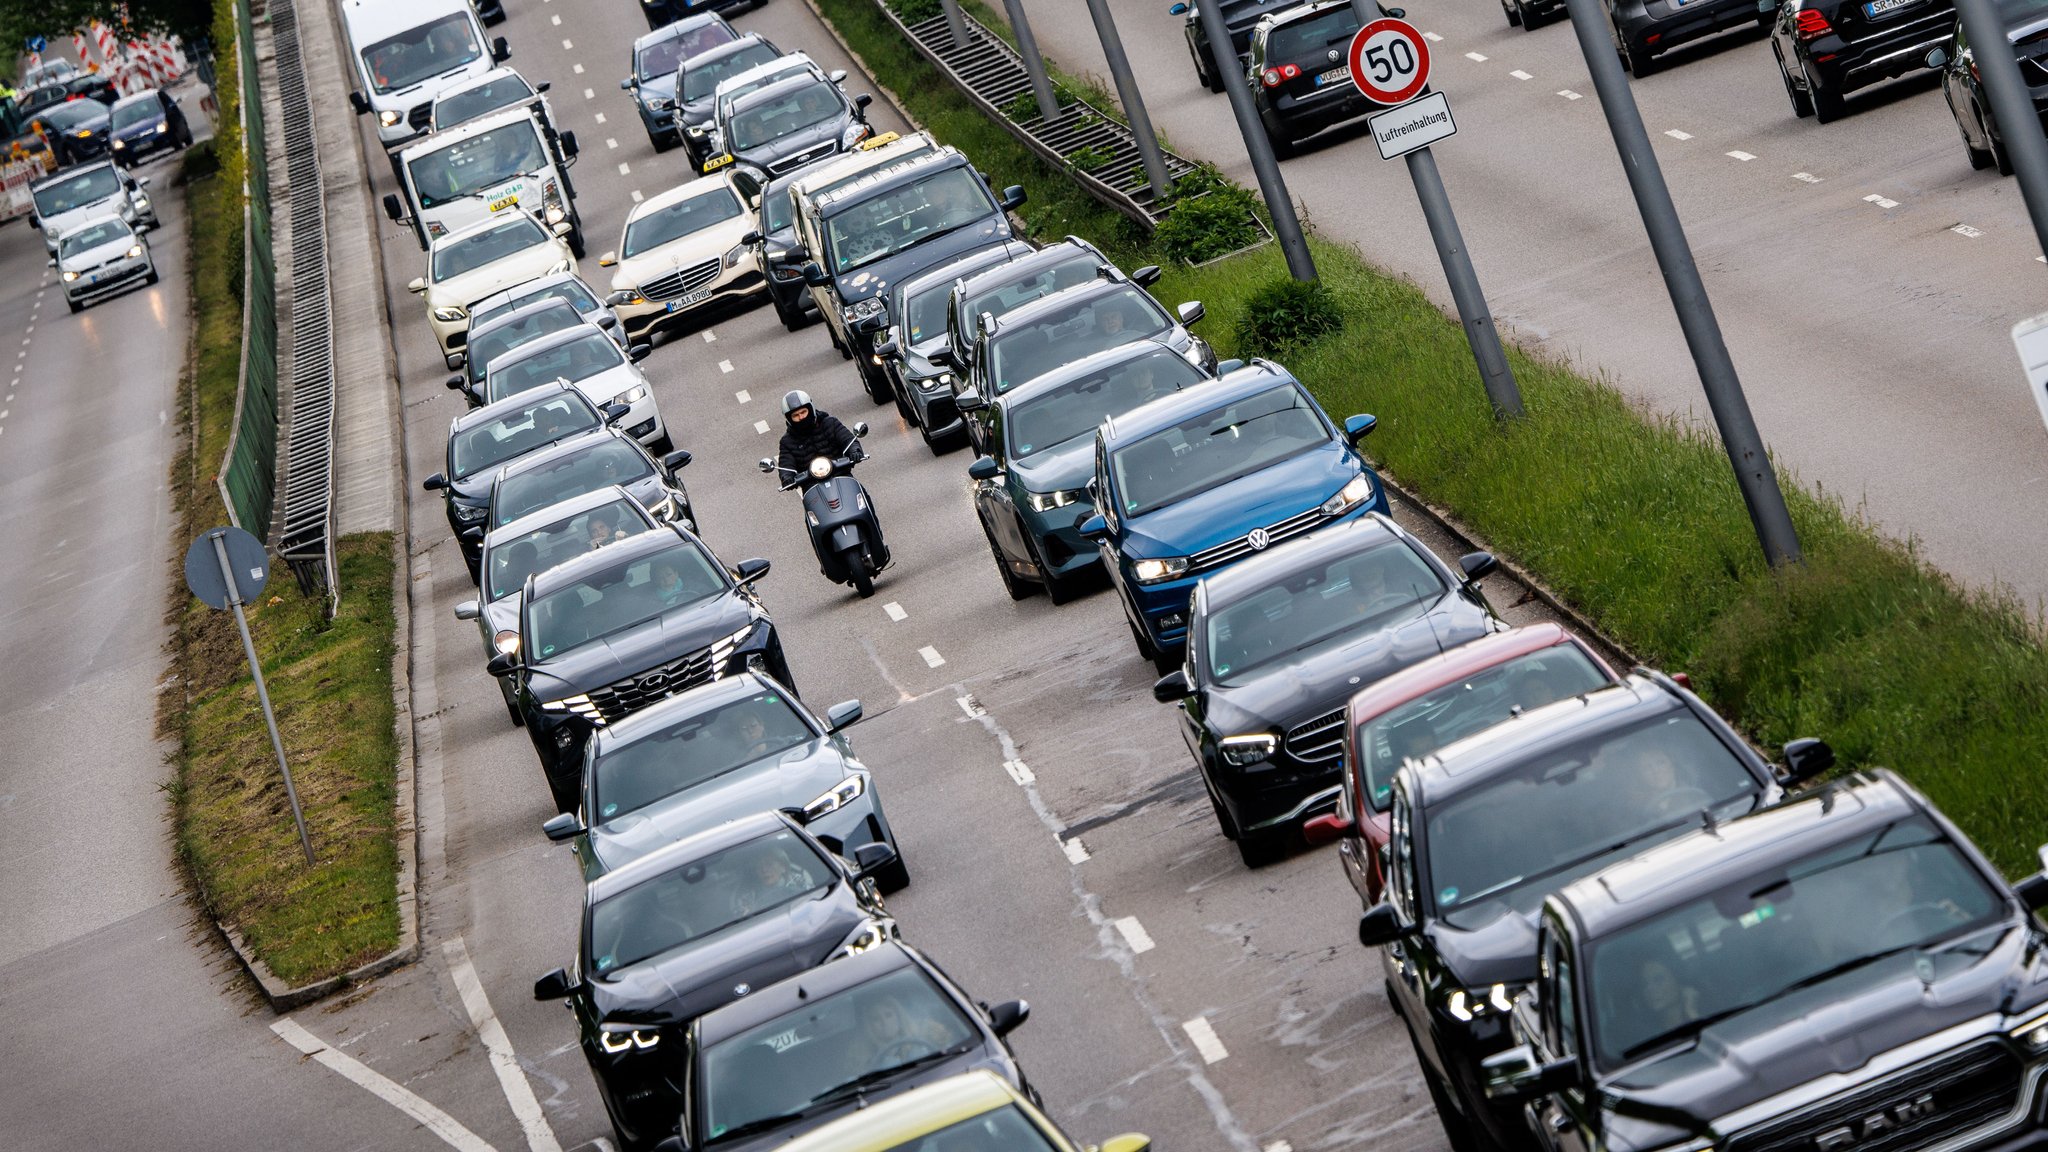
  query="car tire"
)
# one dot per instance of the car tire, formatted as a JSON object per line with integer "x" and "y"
{"x": 2000, "y": 159}
{"x": 1828, "y": 105}
{"x": 1284, "y": 145}
{"x": 792, "y": 318}
{"x": 845, "y": 353}
{"x": 660, "y": 140}
{"x": 1018, "y": 589}
{"x": 663, "y": 446}
{"x": 1261, "y": 850}
{"x": 512, "y": 706}
{"x": 1636, "y": 62}
{"x": 894, "y": 878}
{"x": 1223, "y": 822}
{"x": 874, "y": 382}
{"x": 1802, "y": 101}
{"x": 1145, "y": 649}
{"x": 576, "y": 248}
{"x": 152, "y": 278}
{"x": 1205, "y": 75}
{"x": 1513, "y": 10}
{"x": 75, "y": 306}
{"x": 1058, "y": 589}
{"x": 1980, "y": 158}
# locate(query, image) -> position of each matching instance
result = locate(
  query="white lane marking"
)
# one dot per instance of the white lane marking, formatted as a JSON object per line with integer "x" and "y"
{"x": 1432, "y": 37}
{"x": 1475, "y": 57}
{"x": 431, "y": 1118}
{"x": 636, "y": 195}
{"x": 1880, "y": 201}
{"x": 1569, "y": 94}
{"x": 1806, "y": 177}
{"x": 625, "y": 169}
{"x": 1134, "y": 933}
{"x": 1521, "y": 75}
{"x": 600, "y": 117}
{"x": 590, "y": 93}
{"x": 1019, "y": 772}
{"x": 577, "y": 69}
{"x": 1960, "y": 230}
{"x": 1675, "y": 134}
{"x": 971, "y": 706}
{"x": 1076, "y": 854}
{"x": 609, "y": 142}
{"x": 895, "y": 612}
{"x": 743, "y": 396}
{"x": 504, "y": 1061}
{"x": 1278, "y": 1146}
{"x": 932, "y": 659}
{"x": 27, "y": 330}
{"x": 1738, "y": 154}
{"x": 1206, "y": 1043}
{"x": 760, "y": 427}
{"x": 725, "y": 365}
{"x": 710, "y": 336}
{"x": 555, "y": 20}
{"x": 568, "y": 46}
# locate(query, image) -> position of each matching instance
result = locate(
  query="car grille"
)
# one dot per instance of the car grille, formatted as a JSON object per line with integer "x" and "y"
{"x": 1320, "y": 739}
{"x": 622, "y": 698}
{"x": 681, "y": 282}
{"x": 1923, "y": 1106}
{"x": 792, "y": 163}
{"x": 1241, "y": 547}
{"x": 420, "y": 116}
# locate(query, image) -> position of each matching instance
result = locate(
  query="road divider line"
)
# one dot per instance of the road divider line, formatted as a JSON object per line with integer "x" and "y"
{"x": 1739, "y": 154}
{"x": 1075, "y": 853}
{"x": 896, "y": 612}
{"x": 1569, "y": 94}
{"x": 382, "y": 1087}
{"x": 577, "y": 69}
{"x": 1432, "y": 37}
{"x": 1019, "y": 772}
{"x": 636, "y": 195}
{"x": 1475, "y": 57}
{"x": 610, "y": 142}
{"x": 590, "y": 94}
{"x": 1134, "y": 934}
{"x": 600, "y": 117}
{"x": 1880, "y": 201}
{"x": 725, "y": 365}
{"x": 625, "y": 169}
{"x": 760, "y": 427}
{"x": 555, "y": 20}
{"x": 568, "y": 46}
{"x": 1521, "y": 75}
{"x": 1960, "y": 230}
{"x": 742, "y": 396}
{"x": 1675, "y": 134}
{"x": 971, "y": 706}
{"x": 932, "y": 659}
{"x": 1205, "y": 1040}
{"x": 1278, "y": 1146}
{"x": 504, "y": 1061}
{"x": 1806, "y": 177}
{"x": 710, "y": 336}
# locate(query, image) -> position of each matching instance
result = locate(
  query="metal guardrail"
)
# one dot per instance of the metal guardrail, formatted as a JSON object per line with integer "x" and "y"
{"x": 247, "y": 477}
{"x": 992, "y": 75}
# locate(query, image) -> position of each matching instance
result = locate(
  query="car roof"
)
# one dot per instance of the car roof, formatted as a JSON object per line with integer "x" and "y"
{"x": 668, "y": 857}
{"x": 580, "y": 330}
{"x": 1031, "y": 265}
{"x": 529, "y": 287}
{"x": 469, "y": 130}
{"x": 781, "y": 88}
{"x": 479, "y": 80}
{"x": 1697, "y": 864}
{"x": 1250, "y": 380}
{"x": 972, "y": 263}
{"x": 617, "y": 554}
{"x": 485, "y": 225}
{"x": 870, "y": 184}
{"x": 374, "y": 20}
{"x": 1474, "y": 761}
{"x": 701, "y": 186}
{"x": 671, "y": 31}
{"x": 517, "y": 403}
{"x": 147, "y": 95}
{"x": 561, "y": 448}
{"x": 1031, "y": 310}
{"x": 899, "y": 1120}
{"x": 559, "y": 511}
{"x": 67, "y": 173}
{"x": 1261, "y": 569}
{"x": 1462, "y": 663}
{"x": 787, "y": 62}
{"x": 740, "y": 43}
{"x": 846, "y": 165}
{"x": 524, "y": 311}
{"x": 1272, "y": 20}
{"x": 765, "y": 1004}
{"x": 660, "y": 715}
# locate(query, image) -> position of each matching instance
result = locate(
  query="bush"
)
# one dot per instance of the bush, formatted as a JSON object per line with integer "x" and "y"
{"x": 1088, "y": 159}
{"x": 1022, "y": 109}
{"x": 1286, "y": 314}
{"x": 915, "y": 11}
{"x": 1209, "y": 226}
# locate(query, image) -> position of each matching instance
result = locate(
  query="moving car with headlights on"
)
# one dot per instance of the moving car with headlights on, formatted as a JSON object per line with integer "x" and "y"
{"x": 482, "y": 260}
{"x": 682, "y": 252}
{"x": 591, "y": 360}
{"x": 1209, "y": 476}
{"x": 499, "y": 335}
{"x": 973, "y": 1110}
{"x": 788, "y": 124}
{"x": 1485, "y": 828}
{"x": 150, "y": 121}
{"x": 696, "y": 925}
{"x": 97, "y": 260}
{"x": 915, "y": 316}
{"x": 1842, "y": 972}
{"x": 621, "y": 628}
{"x": 1277, "y": 644}
{"x": 1826, "y": 49}
{"x": 698, "y": 78}
{"x": 739, "y": 744}
{"x": 77, "y": 130}
{"x": 75, "y": 195}
{"x": 500, "y": 162}
{"x": 483, "y": 440}
{"x": 406, "y": 52}
{"x": 656, "y": 58}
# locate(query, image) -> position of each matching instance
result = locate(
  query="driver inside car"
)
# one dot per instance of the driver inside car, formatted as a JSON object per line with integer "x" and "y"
{"x": 896, "y": 1033}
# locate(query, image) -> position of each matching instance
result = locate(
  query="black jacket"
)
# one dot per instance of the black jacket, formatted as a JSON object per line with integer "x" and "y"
{"x": 825, "y": 436}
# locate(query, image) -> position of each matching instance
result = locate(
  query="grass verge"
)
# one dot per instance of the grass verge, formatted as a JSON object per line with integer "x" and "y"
{"x": 1634, "y": 518}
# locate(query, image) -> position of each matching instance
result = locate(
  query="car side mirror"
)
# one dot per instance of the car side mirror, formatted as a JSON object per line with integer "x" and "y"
{"x": 1004, "y": 1018}
{"x": 569, "y": 146}
{"x": 613, "y": 413}
{"x": 1357, "y": 428}
{"x": 1516, "y": 1074}
{"x": 502, "y": 664}
{"x": 863, "y": 100}
{"x": 984, "y": 469}
{"x": 751, "y": 570}
{"x": 1937, "y": 58}
{"x": 416, "y": 285}
{"x": 392, "y": 207}
{"x": 611, "y": 260}
{"x": 456, "y": 382}
{"x": 970, "y": 402}
{"x": 434, "y": 483}
{"x": 639, "y": 352}
{"x": 870, "y": 859}
{"x": 753, "y": 237}
{"x": 1396, "y": 13}
{"x": 543, "y": 86}
{"x": 1477, "y": 565}
{"x": 628, "y": 84}
{"x": 468, "y": 610}
{"x": 564, "y": 826}
{"x": 1380, "y": 925}
{"x": 561, "y": 228}
{"x": 678, "y": 459}
{"x": 1013, "y": 197}
{"x": 1172, "y": 687}
{"x": 844, "y": 714}
{"x": 1191, "y": 312}
{"x": 1806, "y": 758}
{"x": 837, "y": 75}
{"x": 607, "y": 321}
{"x": 813, "y": 275}
{"x": 1177, "y": 9}
{"x": 1328, "y": 828}
{"x": 142, "y": 182}
{"x": 885, "y": 344}
{"x": 500, "y": 51}
{"x": 2033, "y": 890}
{"x": 1226, "y": 367}
{"x": 1146, "y": 276}
{"x": 556, "y": 985}
{"x": 360, "y": 103}
{"x": 1093, "y": 528}
{"x": 672, "y": 1143}
{"x": 617, "y": 298}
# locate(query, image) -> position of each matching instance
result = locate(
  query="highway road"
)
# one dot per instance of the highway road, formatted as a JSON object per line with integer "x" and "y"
{"x": 1866, "y": 279}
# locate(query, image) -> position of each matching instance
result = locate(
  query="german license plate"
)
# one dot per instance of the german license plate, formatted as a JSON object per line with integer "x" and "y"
{"x": 682, "y": 302}
{"x": 1333, "y": 76}
{"x": 1877, "y": 8}
{"x": 505, "y": 201}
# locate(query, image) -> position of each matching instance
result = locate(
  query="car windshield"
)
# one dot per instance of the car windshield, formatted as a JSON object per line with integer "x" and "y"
{"x": 575, "y": 360}
{"x": 568, "y": 288}
{"x": 82, "y": 189}
{"x": 1066, "y": 412}
{"x": 692, "y": 751}
{"x": 1330, "y": 28}
{"x": 516, "y": 234}
{"x": 1006, "y": 1128}
{"x": 498, "y": 339}
{"x": 489, "y": 96}
{"x": 701, "y": 80}
{"x": 614, "y": 599}
{"x": 779, "y": 116}
{"x": 1882, "y": 906}
{"x": 420, "y": 52}
{"x": 1083, "y": 328}
{"x": 1380, "y": 587}
{"x": 730, "y": 92}
{"x": 603, "y": 464}
{"x": 666, "y": 225}
{"x": 71, "y": 114}
{"x": 518, "y": 432}
{"x": 1419, "y": 727}
{"x": 1216, "y": 447}
{"x": 480, "y": 162}
{"x": 705, "y": 896}
{"x": 129, "y": 113}
{"x": 820, "y": 1050}
{"x": 663, "y": 56}
{"x": 92, "y": 236}
{"x": 515, "y": 558}
{"x": 1001, "y": 299}
{"x": 1505, "y": 843}
{"x": 906, "y": 215}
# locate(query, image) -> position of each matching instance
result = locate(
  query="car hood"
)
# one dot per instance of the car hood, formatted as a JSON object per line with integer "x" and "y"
{"x": 95, "y": 256}
{"x": 139, "y": 128}
{"x": 631, "y": 651}
{"x": 1833, "y": 1028}
{"x": 115, "y": 205}
{"x": 1227, "y": 511}
{"x": 782, "y": 147}
{"x": 1501, "y": 951}
{"x": 988, "y": 1055}
{"x": 477, "y": 283}
{"x": 709, "y": 244}
{"x": 1068, "y": 466}
{"x": 878, "y": 277}
{"x": 600, "y": 389}
{"x": 658, "y": 88}
{"x": 1315, "y": 680}
{"x": 791, "y": 779}
{"x": 684, "y": 983}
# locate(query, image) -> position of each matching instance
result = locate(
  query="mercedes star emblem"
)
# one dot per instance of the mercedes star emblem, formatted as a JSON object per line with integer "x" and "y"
{"x": 1258, "y": 539}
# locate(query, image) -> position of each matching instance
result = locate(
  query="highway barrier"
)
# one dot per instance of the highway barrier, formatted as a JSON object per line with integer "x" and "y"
{"x": 248, "y": 469}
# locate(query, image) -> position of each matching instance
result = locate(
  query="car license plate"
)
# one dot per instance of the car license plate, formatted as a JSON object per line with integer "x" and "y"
{"x": 682, "y": 302}
{"x": 505, "y": 201}
{"x": 1877, "y": 8}
{"x": 93, "y": 279}
{"x": 1333, "y": 76}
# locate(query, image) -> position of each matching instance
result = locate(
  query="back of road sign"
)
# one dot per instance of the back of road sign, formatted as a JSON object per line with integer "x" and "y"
{"x": 246, "y": 558}
{"x": 2031, "y": 338}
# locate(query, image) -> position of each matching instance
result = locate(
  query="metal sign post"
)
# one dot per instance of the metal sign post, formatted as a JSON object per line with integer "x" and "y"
{"x": 1286, "y": 225}
{"x": 218, "y": 566}
{"x": 1390, "y": 65}
{"x": 956, "y": 25}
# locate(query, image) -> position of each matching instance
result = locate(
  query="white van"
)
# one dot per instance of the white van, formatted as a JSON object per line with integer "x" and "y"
{"x": 494, "y": 163}
{"x": 405, "y": 52}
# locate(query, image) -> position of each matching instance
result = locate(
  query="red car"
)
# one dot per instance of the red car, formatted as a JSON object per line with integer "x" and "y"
{"x": 1420, "y": 709}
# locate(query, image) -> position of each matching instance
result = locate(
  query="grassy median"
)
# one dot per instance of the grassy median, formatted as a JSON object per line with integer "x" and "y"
{"x": 329, "y": 679}
{"x": 1633, "y": 518}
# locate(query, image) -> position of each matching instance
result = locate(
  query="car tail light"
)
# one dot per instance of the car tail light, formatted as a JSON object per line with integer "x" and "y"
{"x": 1275, "y": 77}
{"x": 1811, "y": 25}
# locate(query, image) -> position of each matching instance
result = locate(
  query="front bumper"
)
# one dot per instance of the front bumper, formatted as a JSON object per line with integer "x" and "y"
{"x": 1278, "y": 794}
{"x": 1655, "y": 34}
{"x": 1061, "y": 551}
{"x": 930, "y": 399}
{"x": 857, "y": 825}
{"x": 108, "y": 279}
{"x": 149, "y": 143}
{"x": 734, "y": 284}
{"x": 1162, "y": 609}
{"x": 452, "y": 335}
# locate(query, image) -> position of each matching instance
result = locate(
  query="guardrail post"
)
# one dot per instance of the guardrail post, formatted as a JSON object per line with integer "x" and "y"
{"x": 1027, "y": 47}
{"x": 1286, "y": 225}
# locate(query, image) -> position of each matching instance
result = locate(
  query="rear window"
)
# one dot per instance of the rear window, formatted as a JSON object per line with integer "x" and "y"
{"x": 1313, "y": 37}
{"x": 518, "y": 432}
{"x": 602, "y": 465}
{"x": 1083, "y": 328}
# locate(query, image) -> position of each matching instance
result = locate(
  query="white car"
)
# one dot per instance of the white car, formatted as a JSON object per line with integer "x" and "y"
{"x": 485, "y": 258}
{"x": 102, "y": 257}
{"x": 586, "y": 357}
{"x": 681, "y": 251}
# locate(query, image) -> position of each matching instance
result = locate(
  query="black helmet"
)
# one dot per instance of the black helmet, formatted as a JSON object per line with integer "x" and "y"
{"x": 793, "y": 400}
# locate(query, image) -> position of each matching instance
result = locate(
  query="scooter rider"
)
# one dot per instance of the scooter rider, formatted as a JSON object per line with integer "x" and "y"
{"x": 811, "y": 432}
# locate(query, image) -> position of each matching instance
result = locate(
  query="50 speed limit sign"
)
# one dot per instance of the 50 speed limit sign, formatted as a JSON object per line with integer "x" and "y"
{"x": 1389, "y": 61}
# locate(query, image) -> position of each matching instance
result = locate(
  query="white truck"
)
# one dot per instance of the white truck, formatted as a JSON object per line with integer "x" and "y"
{"x": 492, "y": 164}
{"x": 406, "y": 52}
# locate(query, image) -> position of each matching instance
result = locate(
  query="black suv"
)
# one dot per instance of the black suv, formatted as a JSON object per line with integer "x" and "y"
{"x": 917, "y": 327}
{"x": 1302, "y": 73}
{"x": 698, "y": 78}
{"x": 1983, "y": 138}
{"x": 1844, "y": 972}
{"x": 1644, "y": 29}
{"x": 888, "y": 225}
{"x": 617, "y": 629}
{"x": 1827, "y": 49}
{"x": 797, "y": 120}
{"x": 1484, "y": 829}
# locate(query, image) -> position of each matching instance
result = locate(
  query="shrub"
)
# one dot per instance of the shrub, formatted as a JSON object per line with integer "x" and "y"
{"x": 1021, "y": 109}
{"x": 1209, "y": 226}
{"x": 1088, "y": 159}
{"x": 1285, "y": 314}
{"x": 915, "y": 11}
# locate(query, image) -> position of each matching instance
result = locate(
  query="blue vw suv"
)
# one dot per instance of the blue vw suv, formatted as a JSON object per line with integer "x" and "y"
{"x": 1190, "y": 483}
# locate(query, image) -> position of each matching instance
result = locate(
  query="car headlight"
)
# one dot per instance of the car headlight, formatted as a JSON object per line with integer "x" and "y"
{"x": 388, "y": 118}
{"x": 1243, "y": 751}
{"x": 1153, "y": 571}
{"x": 162, "y": 127}
{"x": 820, "y": 467}
{"x": 633, "y": 296}
{"x": 732, "y": 258}
{"x": 1468, "y": 1004}
{"x": 70, "y": 276}
{"x": 578, "y": 705}
{"x": 506, "y": 641}
{"x": 632, "y": 395}
{"x": 721, "y": 652}
{"x": 843, "y": 793}
{"x": 142, "y": 203}
{"x": 618, "y": 1038}
{"x": 871, "y": 935}
{"x": 135, "y": 253}
{"x": 553, "y": 214}
{"x": 1357, "y": 492}
{"x": 664, "y": 511}
{"x": 1047, "y": 501}
{"x": 696, "y": 130}
{"x": 450, "y": 314}
{"x": 118, "y": 144}
{"x": 660, "y": 104}
{"x": 854, "y": 134}
{"x": 469, "y": 513}
{"x": 934, "y": 383}
{"x": 862, "y": 309}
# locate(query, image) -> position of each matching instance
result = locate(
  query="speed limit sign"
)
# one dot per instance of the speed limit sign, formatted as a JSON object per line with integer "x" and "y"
{"x": 1389, "y": 61}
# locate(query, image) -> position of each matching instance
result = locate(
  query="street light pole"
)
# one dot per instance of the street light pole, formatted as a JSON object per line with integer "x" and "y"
{"x": 1034, "y": 64}
{"x": 956, "y": 25}
{"x": 1132, "y": 100}
{"x": 1286, "y": 225}
{"x": 2011, "y": 106}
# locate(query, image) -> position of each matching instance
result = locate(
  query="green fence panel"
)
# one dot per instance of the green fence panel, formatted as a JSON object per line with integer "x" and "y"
{"x": 249, "y": 470}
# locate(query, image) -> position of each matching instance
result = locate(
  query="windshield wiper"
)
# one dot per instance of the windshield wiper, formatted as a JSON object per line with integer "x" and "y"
{"x": 867, "y": 1080}
{"x": 763, "y": 1124}
{"x": 1689, "y": 1028}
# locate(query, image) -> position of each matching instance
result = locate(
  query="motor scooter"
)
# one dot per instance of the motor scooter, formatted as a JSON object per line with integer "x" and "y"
{"x": 845, "y": 532}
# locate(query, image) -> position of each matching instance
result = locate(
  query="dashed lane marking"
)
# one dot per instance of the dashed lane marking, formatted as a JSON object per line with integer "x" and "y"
{"x": 568, "y": 46}
{"x": 609, "y": 142}
{"x": 1475, "y": 57}
{"x": 1806, "y": 177}
{"x": 760, "y": 427}
{"x": 1960, "y": 230}
{"x": 1019, "y": 772}
{"x": 1880, "y": 201}
{"x": 1075, "y": 853}
{"x": 1738, "y": 154}
{"x": 555, "y": 20}
{"x": 1432, "y": 37}
{"x": 725, "y": 365}
{"x": 1134, "y": 934}
{"x": 590, "y": 93}
{"x": 636, "y": 195}
{"x": 504, "y": 1061}
{"x": 1278, "y": 1146}
{"x": 1205, "y": 1040}
{"x": 895, "y": 612}
{"x": 932, "y": 659}
{"x": 743, "y": 396}
{"x": 600, "y": 117}
{"x": 426, "y": 1115}
{"x": 710, "y": 336}
{"x": 577, "y": 69}
{"x": 971, "y": 706}
{"x": 1521, "y": 75}
{"x": 1675, "y": 134}
{"x": 625, "y": 169}
{"x": 1569, "y": 94}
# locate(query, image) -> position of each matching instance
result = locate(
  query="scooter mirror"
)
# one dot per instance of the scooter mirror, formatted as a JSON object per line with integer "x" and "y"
{"x": 860, "y": 428}
{"x": 767, "y": 464}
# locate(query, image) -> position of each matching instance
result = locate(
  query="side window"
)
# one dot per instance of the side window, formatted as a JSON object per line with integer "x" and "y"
{"x": 1104, "y": 503}
{"x": 1561, "y": 1017}
{"x": 1401, "y": 846}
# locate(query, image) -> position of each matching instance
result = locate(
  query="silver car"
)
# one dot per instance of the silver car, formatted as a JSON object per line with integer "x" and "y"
{"x": 100, "y": 258}
{"x": 584, "y": 356}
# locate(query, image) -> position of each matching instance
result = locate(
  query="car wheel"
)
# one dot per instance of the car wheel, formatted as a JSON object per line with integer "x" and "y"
{"x": 844, "y": 352}
{"x": 660, "y": 140}
{"x": 1980, "y": 158}
{"x": 1145, "y": 649}
{"x": 874, "y": 381}
{"x": 1636, "y": 61}
{"x": 1017, "y": 589}
{"x": 1457, "y": 1127}
{"x": 512, "y": 705}
{"x": 1223, "y": 821}
{"x": 152, "y": 278}
{"x": 576, "y": 241}
{"x": 1828, "y": 106}
{"x": 1204, "y": 75}
{"x": 564, "y": 794}
{"x": 792, "y": 317}
{"x": 1261, "y": 850}
{"x": 1058, "y": 589}
{"x": 75, "y": 306}
{"x": 662, "y": 446}
{"x": 1999, "y": 158}
{"x": 1802, "y": 103}
{"x": 1514, "y": 13}
{"x": 1284, "y": 145}
{"x": 894, "y": 878}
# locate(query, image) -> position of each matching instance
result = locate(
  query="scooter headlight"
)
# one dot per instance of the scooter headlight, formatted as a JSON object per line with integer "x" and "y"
{"x": 820, "y": 468}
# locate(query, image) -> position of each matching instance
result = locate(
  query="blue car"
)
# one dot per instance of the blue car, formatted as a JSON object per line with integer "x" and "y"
{"x": 1191, "y": 483}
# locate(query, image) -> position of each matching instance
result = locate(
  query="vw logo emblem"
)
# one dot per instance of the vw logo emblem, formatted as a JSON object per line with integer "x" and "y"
{"x": 741, "y": 989}
{"x": 1258, "y": 539}
{"x": 1335, "y": 55}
